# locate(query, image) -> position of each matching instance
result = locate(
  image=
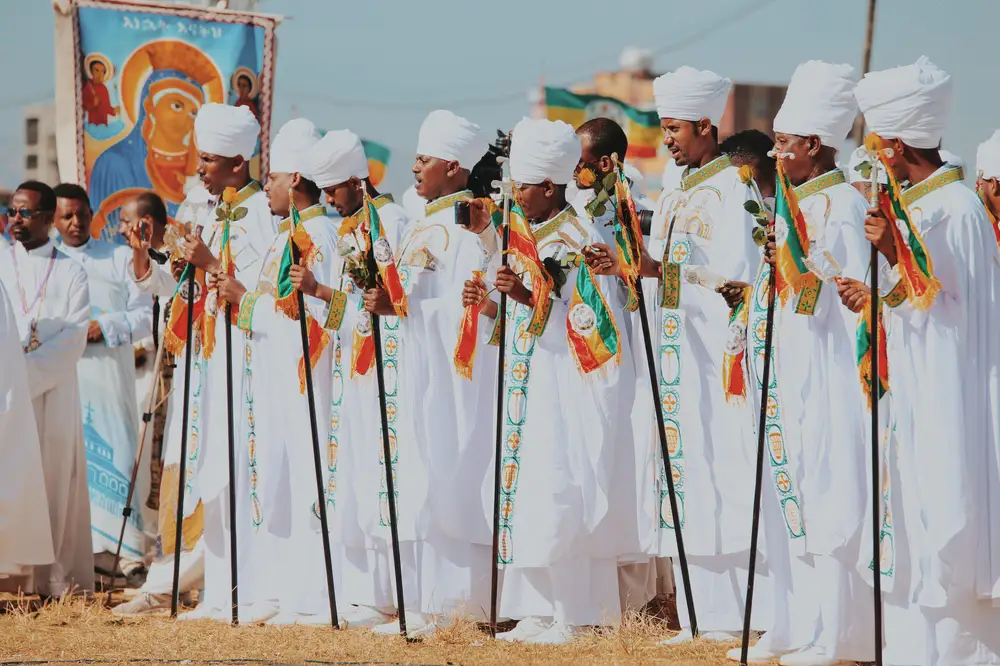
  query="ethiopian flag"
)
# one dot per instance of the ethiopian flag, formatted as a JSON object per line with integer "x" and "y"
{"x": 794, "y": 249}
{"x": 286, "y": 296}
{"x": 523, "y": 250}
{"x": 641, "y": 127}
{"x": 590, "y": 327}
{"x": 378, "y": 159}
{"x": 384, "y": 260}
{"x": 862, "y": 349}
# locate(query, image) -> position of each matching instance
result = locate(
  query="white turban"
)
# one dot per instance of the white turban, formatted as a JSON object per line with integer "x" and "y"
{"x": 691, "y": 94}
{"x": 336, "y": 158}
{"x": 819, "y": 101}
{"x": 951, "y": 158}
{"x": 858, "y": 157}
{"x": 290, "y": 148}
{"x": 226, "y": 131}
{"x": 544, "y": 150}
{"x": 907, "y": 103}
{"x": 988, "y": 158}
{"x": 452, "y": 138}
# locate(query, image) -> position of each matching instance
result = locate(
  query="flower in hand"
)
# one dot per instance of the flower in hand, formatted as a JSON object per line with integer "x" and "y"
{"x": 509, "y": 283}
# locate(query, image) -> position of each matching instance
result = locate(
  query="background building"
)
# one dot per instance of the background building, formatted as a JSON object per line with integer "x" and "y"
{"x": 750, "y": 105}
{"x": 40, "y": 161}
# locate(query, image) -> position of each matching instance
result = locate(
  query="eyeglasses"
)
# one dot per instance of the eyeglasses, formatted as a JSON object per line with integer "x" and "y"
{"x": 25, "y": 213}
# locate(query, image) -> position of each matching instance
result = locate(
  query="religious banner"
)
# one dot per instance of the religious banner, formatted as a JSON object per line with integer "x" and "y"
{"x": 130, "y": 79}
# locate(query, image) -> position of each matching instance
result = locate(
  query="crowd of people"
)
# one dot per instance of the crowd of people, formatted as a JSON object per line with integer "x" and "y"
{"x": 619, "y": 344}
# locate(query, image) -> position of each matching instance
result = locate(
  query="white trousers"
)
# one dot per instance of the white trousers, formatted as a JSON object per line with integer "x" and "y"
{"x": 577, "y": 591}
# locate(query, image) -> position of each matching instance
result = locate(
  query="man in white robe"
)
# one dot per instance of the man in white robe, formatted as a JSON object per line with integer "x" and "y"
{"x": 144, "y": 224}
{"x": 355, "y": 472}
{"x": 121, "y": 315}
{"x": 558, "y": 550}
{"x": 702, "y": 233}
{"x": 226, "y": 138}
{"x": 26, "y": 535}
{"x": 52, "y": 309}
{"x": 285, "y": 518}
{"x": 936, "y": 551}
{"x": 443, "y": 418}
{"x": 814, "y": 491}
{"x": 600, "y": 139}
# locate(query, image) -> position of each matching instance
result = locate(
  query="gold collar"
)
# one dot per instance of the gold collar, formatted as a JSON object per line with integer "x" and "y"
{"x": 694, "y": 178}
{"x": 820, "y": 183}
{"x": 550, "y": 226}
{"x": 439, "y": 205}
{"x": 316, "y": 210}
{"x": 948, "y": 176}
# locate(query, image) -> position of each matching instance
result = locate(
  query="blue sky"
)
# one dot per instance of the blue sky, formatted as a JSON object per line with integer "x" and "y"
{"x": 379, "y": 67}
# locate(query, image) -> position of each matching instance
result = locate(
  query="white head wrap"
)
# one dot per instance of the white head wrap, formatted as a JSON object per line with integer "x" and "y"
{"x": 226, "y": 131}
{"x": 907, "y": 103}
{"x": 691, "y": 94}
{"x": 336, "y": 158}
{"x": 544, "y": 150}
{"x": 819, "y": 101}
{"x": 988, "y": 157}
{"x": 951, "y": 158}
{"x": 858, "y": 157}
{"x": 290, "y": 147}
{"x": 453, "y": 138}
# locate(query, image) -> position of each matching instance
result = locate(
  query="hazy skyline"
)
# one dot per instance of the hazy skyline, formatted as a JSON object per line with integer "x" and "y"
{"x": 379, "y": 68}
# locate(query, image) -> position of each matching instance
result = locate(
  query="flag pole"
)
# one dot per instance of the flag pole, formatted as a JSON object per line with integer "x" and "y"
{"x": 182, "y": 471}
{"x": 147, "y": 416}
{"x": 317, "y": 455}
{"x": 506, "y": 189}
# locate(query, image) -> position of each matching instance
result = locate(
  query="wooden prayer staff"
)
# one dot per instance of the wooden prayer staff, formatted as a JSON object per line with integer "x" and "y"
{"x": 147, "y": 416}
{"x": 317, "y": 454}
{"x": 876, "y": 449}
{"x": 185, "y": 414}
{"x": 665, "y": 454}
{"x": 761, "y": 436}
{"x": 507, "y": 189}
{"x": 390, "y": 483}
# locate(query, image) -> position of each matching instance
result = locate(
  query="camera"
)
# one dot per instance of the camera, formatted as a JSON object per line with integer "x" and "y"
{"x": 645, "y": 221}
{"x": 463, "y": 214}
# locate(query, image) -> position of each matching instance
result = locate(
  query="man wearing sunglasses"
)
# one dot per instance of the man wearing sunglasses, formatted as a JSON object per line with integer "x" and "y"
{"x": 51, "y": 307}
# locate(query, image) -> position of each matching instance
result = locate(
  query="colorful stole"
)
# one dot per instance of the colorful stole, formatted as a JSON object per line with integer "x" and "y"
{"x": 862, "y": 352}
{"x": 390, "y": 372}
{"x": 788, "y": 496}
{"x": 887, "y": 538}
{"x": 382, "y": 251}
{"x": 333, "y": 433}
{"x": 256, "y": 513}
{"x": 913, "y": 261}
{"x": 286, "y": 296}
{"x": 517, "y": 371}
{"x": 989, "y": 214}
{"x": 468, "y": 336}
{"x": 628, "y": 239}
{"x": 792, "y": 237}
{"x": 522, "y": 247}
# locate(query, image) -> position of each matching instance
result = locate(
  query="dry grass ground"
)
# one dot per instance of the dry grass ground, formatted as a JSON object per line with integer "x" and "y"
{"x": 76, "y": 630}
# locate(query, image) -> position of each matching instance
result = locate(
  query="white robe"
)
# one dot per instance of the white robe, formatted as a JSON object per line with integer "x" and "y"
{"x": 107, "y": 388}
{"x": 208, "y": 435}
{"x": 355, "y": 474}
{"x": 444, "y": 419}
{"x": 942, "y": 464}
{"x": 281, "y": 516}
{"x": 817, "y": 435}
{"x": 715, "y": 455}
{"x": 25, "y": 533}
{"x": 61, "y": 313}
{"x": 564, "y": 533}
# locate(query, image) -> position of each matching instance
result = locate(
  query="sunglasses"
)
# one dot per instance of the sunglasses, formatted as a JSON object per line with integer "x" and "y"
{"x": 25, "y": 213}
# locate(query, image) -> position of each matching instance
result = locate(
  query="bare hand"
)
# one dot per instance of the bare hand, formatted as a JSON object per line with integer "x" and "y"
{"x": 137, "y": 234}
{"x": 602, "y": 259}
{"x": 197, "y": 253}
{"x": 94, "y": 332}
{"x": 479, "y": 215}
{"x": 878, "y": 231}
{"x": 853, "y": 294}
{"x": 733, "y": 293}
{"x": 770, "y": 248}
{"x": 648, "y": 267}
{"x": 377, "y": 302}
{"x": 509, "y": 283}
{"x": 230, "y": 289}
{"x": 303, "y": 279}
{"x": 474, "y": 292}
